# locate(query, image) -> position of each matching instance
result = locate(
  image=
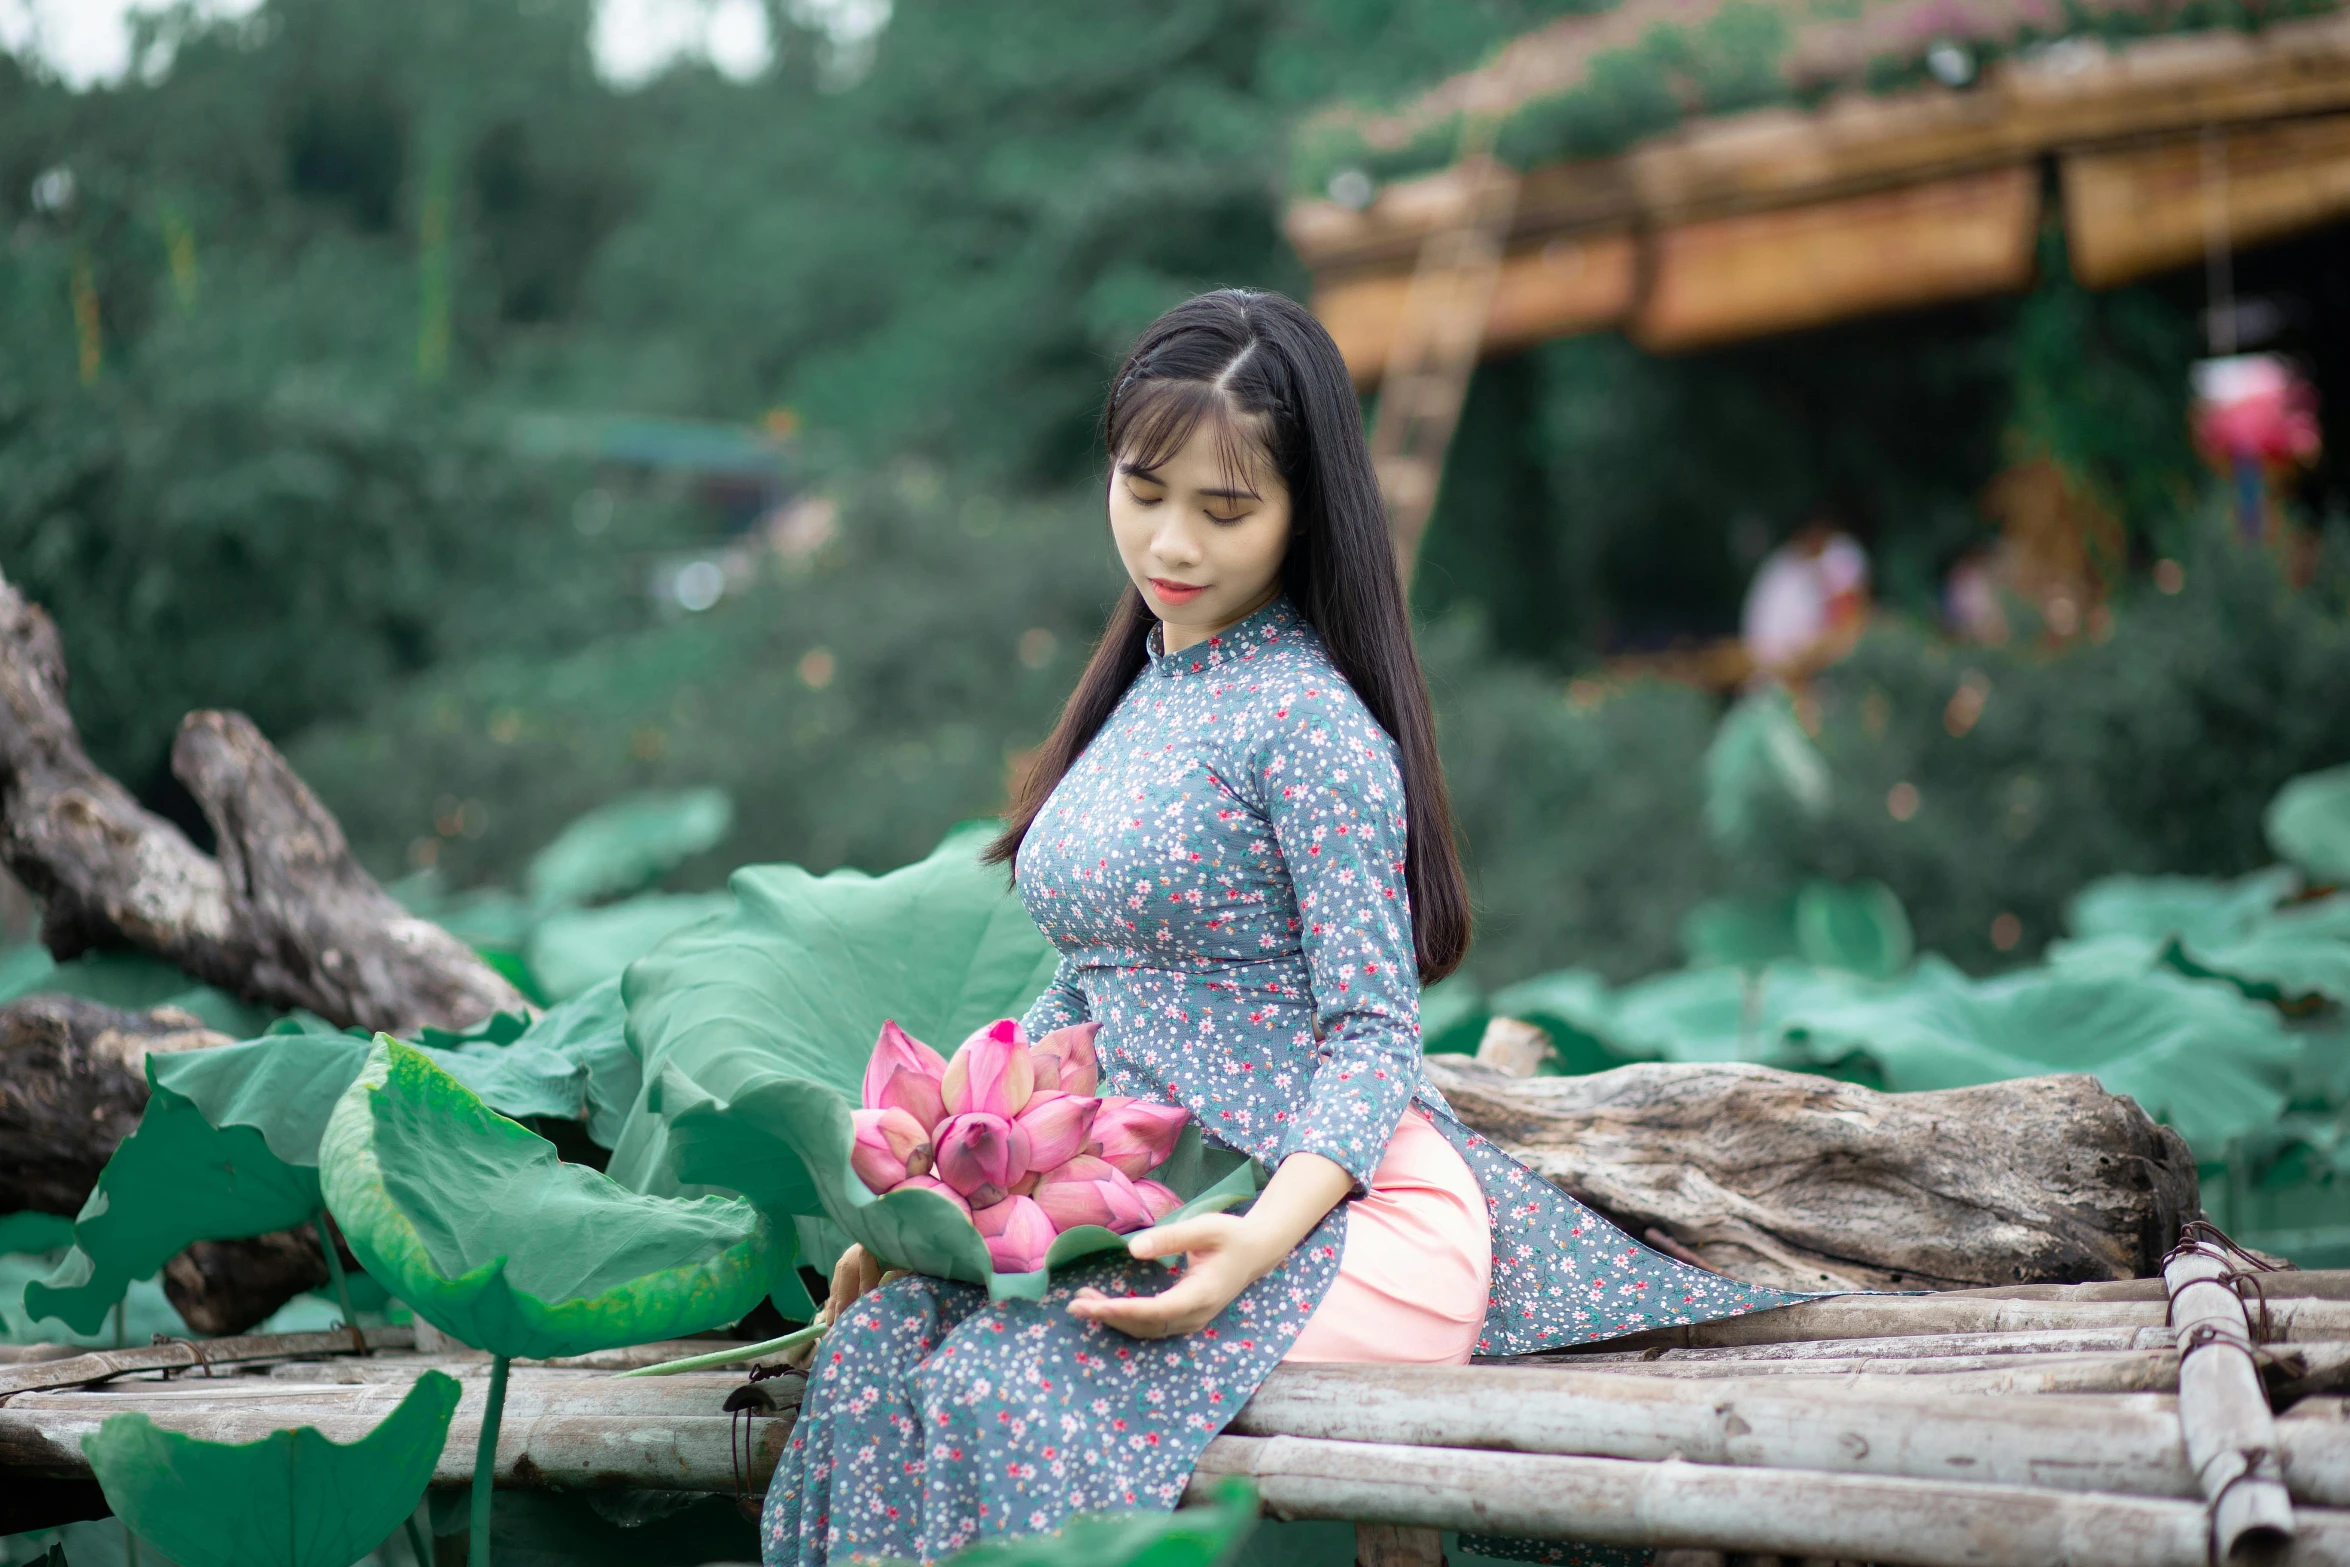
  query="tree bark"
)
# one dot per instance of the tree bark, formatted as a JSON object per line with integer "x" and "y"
{"x": 1807, "y": 1183}
{"x": 73, "y": 1080}
{"x": 225, "y": 1287}
{"x": 283, "y": 916}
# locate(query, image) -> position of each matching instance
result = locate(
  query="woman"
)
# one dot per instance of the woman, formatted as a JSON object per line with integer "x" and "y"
{"x": 1237, "y": 836}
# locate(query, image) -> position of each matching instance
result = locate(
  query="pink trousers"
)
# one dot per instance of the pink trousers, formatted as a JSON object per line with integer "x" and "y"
{"x": 1412, "y": 1283}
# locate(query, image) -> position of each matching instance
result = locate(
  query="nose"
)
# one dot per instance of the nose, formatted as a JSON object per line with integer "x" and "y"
{"x": 1174, "y": 543}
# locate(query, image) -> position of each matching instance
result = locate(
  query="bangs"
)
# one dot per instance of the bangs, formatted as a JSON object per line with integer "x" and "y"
{"x": 1152, "y": 423}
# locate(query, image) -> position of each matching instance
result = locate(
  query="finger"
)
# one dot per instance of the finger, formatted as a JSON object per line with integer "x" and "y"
{"x": 845, "y": 1274}
{"x": 1202, "y": 1234}
{"x": 1174, "y": 1310}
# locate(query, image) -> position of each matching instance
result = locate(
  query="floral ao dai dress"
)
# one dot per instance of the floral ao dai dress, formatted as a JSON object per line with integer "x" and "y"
{"x": 1222, "y": 872}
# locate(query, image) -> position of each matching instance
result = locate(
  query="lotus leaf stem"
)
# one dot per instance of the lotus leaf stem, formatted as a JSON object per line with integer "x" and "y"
{"x": 418, "y": 1546}
{"x": 334, "y": 1268}
{"x": 485, "y": 1463}
{"x": 729, "y": 1357}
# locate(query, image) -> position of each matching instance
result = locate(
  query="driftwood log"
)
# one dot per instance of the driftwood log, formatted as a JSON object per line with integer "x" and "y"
{"x": 72, "y": 1084}
{"x": 1804, "y": 1182}
{"x": 282, "y": 915}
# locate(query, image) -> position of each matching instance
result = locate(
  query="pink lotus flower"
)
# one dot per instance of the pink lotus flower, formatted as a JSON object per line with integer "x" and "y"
{"x": 1088, "y": 1191}
{"x": 1136, "y": 1135}
{"x": 1057, "y": 1125}
{"x": 891, "y": 1146}
{"x": 1065, "y": 1059}
{"x": 980, "y": 1155}
{"x": 1017, "y": 1234}
{"x": 1160, "y": 1200}
{"x": 931, "y": 1183}
{"x": 991, "y": 1073}
{"x": 905, "y": 1073}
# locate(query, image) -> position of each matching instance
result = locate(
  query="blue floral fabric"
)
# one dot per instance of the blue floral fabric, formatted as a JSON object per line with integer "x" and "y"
{"x": 1222, "y": 870}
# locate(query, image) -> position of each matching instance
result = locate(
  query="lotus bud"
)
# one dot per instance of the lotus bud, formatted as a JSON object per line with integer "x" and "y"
{"x": 1075, "y": 1068}
{"x": 991, "y": 1072}
{"x": 1017, "y": 1234}
{"x": 1088, "y": 1191}
{"x": 894, "y": 1052}
{"x": 891, "y": 1146}
{"x": 1160, "y": 1200}
{"x": 916, "y": 1093}
{"x": 1057, "y": 1126}
{"x": 980, "y": 1155}
{"x": 931, "y": 1183}
{"x": 1136, "y": 1135}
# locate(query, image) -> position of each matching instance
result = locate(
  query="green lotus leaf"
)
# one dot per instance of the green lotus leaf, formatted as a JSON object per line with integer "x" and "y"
{"x": 2300, "y": 950}
{"x": 2194, "y": 908}
{"x": 795, "y": 982}
{"x": 2308, "y": 823}
{"x": 1739, "y": 932}
{"x": 227, "y": 1147}
{"x": 292, "y": 1499}
{"x": 1209, "y": 1536}
{"x": 486, "y": 1233}
{"x": 573, "y": 949}
{"x": 1761, "y": 767}
{"x": 1572, "y": 1006}
{"x": 1859, "y": 927}
{"x": 2241, "y": 931}
{"x": 228, "y": 1144}
{"x": 2199, "y": 1055}
{"x": 623, "y": 845}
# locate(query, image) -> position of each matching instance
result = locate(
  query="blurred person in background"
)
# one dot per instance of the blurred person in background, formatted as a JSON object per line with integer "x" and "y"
{"x": 1807, "y": 604}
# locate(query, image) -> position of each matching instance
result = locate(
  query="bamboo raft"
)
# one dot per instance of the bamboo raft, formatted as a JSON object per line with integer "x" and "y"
{"x": 2146, "y": 1423}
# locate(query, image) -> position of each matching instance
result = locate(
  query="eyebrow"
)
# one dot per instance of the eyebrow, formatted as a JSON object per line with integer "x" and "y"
{"x": 1136, "y": 471}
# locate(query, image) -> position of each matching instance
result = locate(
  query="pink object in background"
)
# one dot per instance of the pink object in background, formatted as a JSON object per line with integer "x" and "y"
{"x": 2255, "y": 407}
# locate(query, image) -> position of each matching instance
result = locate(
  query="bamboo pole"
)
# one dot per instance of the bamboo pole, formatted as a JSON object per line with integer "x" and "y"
{"x": 1888, "y": 1316}
{"x": 2128, "y": 1443}
{"x": 2230, "y": 1436}
{"x": 100, "y": 1365}
{"x": 1609, "y": 1501}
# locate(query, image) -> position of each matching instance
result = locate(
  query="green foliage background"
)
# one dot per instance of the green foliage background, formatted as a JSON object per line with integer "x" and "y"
{"x": 259, "y": 501}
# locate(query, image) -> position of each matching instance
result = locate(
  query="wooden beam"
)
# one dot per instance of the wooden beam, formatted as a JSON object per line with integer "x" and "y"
{"x": 1723, "y": 278}
{"x": 2130, "y": 211}
{"x": 1609, "y": 1501}
{"x": 1561, "y": 286}
{"x": 2074, "y": 95}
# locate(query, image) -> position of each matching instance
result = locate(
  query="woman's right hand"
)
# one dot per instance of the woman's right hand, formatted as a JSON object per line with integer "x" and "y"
{"x": 857, "y": 1272}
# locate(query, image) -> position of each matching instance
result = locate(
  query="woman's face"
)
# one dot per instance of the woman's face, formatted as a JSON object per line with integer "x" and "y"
{"x": 1204, "y": 543}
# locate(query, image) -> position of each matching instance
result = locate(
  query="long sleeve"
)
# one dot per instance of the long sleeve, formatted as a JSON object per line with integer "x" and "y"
{"x": 1061, "y": 1004}
{"x": 1326, "y": 777}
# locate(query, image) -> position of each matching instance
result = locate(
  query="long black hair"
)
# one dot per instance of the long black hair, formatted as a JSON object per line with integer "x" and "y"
{"x": 1266, "y": 371}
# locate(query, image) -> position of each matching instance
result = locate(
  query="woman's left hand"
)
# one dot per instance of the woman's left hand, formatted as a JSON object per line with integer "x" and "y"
{"x": 1223, "y": 1255}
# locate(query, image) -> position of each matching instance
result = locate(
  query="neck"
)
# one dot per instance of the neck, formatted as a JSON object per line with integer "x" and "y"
{"x": 1174, "y": 638}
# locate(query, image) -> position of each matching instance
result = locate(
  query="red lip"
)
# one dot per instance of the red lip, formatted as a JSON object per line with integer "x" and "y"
{"x": 1176, "y": 592}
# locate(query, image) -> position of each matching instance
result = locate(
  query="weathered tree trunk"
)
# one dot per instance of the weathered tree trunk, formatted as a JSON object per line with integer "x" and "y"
{"x": 284, "y": 915}
{"x": 72, "y": 1083}
{"x": 1808, "y": 1183}
{"x": 225, "y": 1287}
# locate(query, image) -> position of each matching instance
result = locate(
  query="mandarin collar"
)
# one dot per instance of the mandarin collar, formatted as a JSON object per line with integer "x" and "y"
{"x": 1276, "y": 623}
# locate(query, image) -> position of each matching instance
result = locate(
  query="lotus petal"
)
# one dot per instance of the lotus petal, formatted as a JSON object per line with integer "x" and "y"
{"x": 1136, "y": 1135}
{"x": 1160, "y": 1200}
{"x": 1058, "y": 1126}
{"x": 931, "y": 1183}
{"x": 891, "y": 1146}
{"x": 1017, "y": 1233}
{"x": 898, "y": 1051}
{"x": 916, "y": 1093}
{"x": 991, "y": 1072}
{"x": 981, "y": 1155}
{"x": 1075, "y": 1067}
